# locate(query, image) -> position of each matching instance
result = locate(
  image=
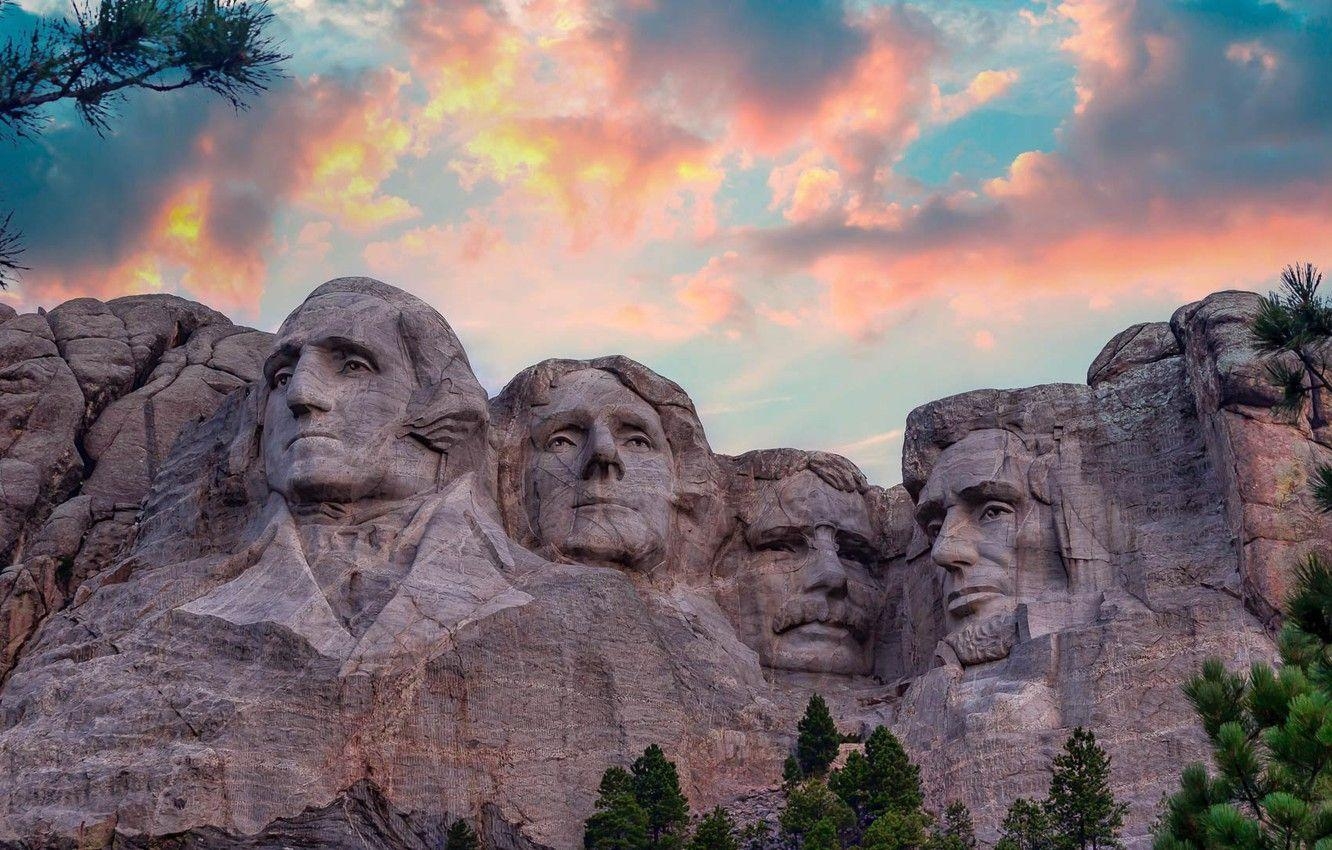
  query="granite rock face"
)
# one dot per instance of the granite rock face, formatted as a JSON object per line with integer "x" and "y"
{"x": 317, "y": 590}
{"x": 92, "y": 396}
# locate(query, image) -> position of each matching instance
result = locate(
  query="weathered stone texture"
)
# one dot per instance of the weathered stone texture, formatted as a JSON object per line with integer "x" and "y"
{"x": 92, "y": 395}
{"x": 319, "y": 591}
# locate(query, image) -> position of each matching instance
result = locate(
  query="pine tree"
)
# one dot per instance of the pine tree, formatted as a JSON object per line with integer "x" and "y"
{"x": 1271, "y": 739}
{"x": 892, "y": 781}
{"x": 1025, "y": 827}
{"x": 956, "y": 832}
{"x": 461, "y": 837}
{"x": 1296, "y": 322}
{"x": 716, "y": 831}
{"x": 818, "y": 739}
{"x": 619, "y": 822}
{"x": 791, "y": 772}
{"x": 822, "y": 836}
{"x": 1081, "y": 808}
{"x": 810, "y": 803}
{"x": 656, "y": 787}
{"x": 894, "y": 830}
{"x": 851, "y": 783}
{"x": 756, "y": 836}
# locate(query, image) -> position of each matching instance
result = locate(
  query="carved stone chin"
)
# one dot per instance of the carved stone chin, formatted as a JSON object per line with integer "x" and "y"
{"x": 987, "y": 640}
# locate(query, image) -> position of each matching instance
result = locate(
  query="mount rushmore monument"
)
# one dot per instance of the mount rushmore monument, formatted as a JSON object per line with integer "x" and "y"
{"x": 316, "y": 589}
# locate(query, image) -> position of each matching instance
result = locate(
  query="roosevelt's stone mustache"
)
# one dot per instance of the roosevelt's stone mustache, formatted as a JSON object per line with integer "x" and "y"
{"x": 804, "y": 610}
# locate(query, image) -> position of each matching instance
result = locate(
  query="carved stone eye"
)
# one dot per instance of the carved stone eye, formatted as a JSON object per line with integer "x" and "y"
{"x": 638, "y": 441}
{"x": 353, "y": 366}
{"x": 994, "y": 510}
{"x": 281, "y": 379}
{"x": 559, "y": 442}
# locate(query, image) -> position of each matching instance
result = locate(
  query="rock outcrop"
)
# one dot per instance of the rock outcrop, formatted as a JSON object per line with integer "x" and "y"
{"x": 317, "y": 590}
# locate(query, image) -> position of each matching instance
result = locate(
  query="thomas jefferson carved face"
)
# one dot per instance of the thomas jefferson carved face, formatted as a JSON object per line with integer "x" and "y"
{"x": 339, "y": 383}
{"x": 987, "y": 530}
{"x": 601, "y": 479}
{"x": 802, "y": 590}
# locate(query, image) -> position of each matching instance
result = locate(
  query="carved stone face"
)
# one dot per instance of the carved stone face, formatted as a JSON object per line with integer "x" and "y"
{"x": 802, "y": 590}
{"x": 339, "y": 383}
{"x": 987, "y": 531}
{"x": 601, "y": 477}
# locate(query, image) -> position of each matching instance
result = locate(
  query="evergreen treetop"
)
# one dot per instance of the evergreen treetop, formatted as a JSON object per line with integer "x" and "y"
{"x": 892, "y": 779}
{"x": 715, "y": 831}
{"x": 656, "y": 787}
{"x": 1082, "y": 810}
{"x": 1025, "y": 827}
{"x": 956, "y": 832}
{"x": 461, "y": 837}
{"x": 818, "y": 740}
{"x": 619, "y": 822}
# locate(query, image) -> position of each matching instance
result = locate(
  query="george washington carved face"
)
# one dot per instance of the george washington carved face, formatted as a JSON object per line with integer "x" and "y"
{"x": 601, "y": 474}
{"x": 367, "y": 391}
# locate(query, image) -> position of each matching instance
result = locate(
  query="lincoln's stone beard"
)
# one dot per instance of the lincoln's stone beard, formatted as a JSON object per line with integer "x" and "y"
{"x": 601, "y": 480}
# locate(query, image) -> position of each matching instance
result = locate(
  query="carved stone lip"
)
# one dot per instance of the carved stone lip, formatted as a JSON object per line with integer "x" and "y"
{"x": 969, "y": 597}
{"x": 595, "y": 501}
{"x": 303, "y": 434}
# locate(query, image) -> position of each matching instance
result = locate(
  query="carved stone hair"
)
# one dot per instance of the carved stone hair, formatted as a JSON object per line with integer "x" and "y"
{"x": 695, "y": 524}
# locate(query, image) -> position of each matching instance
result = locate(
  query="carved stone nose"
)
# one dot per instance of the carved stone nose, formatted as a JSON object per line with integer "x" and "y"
{"x": 602, "y": 457}
{"x": 953, "y": 549}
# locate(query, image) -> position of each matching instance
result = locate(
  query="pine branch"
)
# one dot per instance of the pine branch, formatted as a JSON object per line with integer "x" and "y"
{"x": 122, "y": 45}
{"x": 11, "y": 248}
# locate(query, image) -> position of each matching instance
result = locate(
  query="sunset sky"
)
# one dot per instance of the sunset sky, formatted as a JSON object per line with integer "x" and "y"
{"x": 814, "y": 216}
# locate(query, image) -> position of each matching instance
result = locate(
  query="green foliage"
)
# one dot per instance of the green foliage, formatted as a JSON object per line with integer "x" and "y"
{"x": 1296, "y": 324}
{"x": 892, "y": 782}
{"x": 1321, "y": 484}
{"x": 791, "y": 771}
{"x": 851, "y": 783}
{"x": 809, "y": 803}
{"x": 160, "y": 45}
{"x": 1271, "y": 738}
{"x": 656, "y": 787}
{"x": 756, "y": 836}
{"x": 894, "y": 830}
{"x": 823, "y": 836}
{"x": 619, "y": 822}
{"x": 460, "y": 837}
{"x": 1025, "y": 827}
{"x": 956, "y": 832}
{"x": 1081, "y": 808}
{"x": 716, "y": 831}
{"x": 818, "y": 739}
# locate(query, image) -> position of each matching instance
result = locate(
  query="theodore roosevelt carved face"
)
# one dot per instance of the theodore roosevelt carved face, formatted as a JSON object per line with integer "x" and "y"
{"x": 801, "y": 580}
